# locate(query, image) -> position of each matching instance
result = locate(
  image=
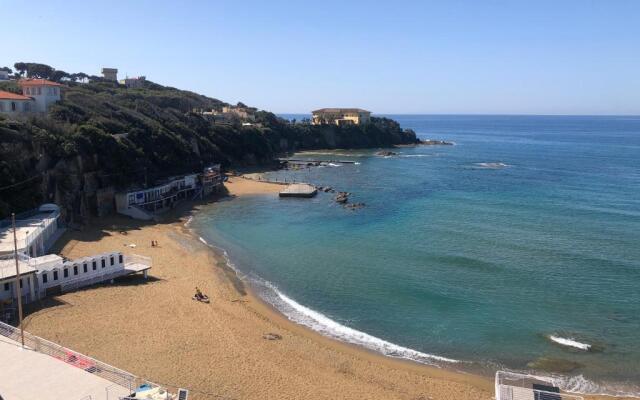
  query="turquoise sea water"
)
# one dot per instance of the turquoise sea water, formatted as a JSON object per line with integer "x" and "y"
{"x": 474, "y": 256}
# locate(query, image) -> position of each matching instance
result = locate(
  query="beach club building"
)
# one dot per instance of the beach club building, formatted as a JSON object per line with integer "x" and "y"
{"x": 340, "y": 116}
{"x": 36, "y": 231}
{"x": 43, "y": 274}
{"x": 145, "y": 203}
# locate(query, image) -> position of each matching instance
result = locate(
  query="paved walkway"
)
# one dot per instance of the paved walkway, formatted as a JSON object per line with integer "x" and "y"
{"x": 28, "y": 375}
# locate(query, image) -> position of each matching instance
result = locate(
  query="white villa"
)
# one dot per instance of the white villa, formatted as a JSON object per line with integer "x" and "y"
{"x": 4, "y": 75}
{"x": 44, "y": 274}
{"x": 37, "y": 96}
{"x": 43, "y": 92}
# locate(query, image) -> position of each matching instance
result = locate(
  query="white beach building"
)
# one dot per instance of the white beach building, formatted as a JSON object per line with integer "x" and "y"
{"x": 51, "y": 274}
{"x": 145, "y": 203}
{"x": 44, "y": 274}
{"x": 36, "y": 230}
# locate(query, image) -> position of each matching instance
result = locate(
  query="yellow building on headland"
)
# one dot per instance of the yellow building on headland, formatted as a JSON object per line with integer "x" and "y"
{"x": 340, "y": 116}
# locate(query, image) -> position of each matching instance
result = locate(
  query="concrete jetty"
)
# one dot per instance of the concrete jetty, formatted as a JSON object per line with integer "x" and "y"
{"x": 299, "y": 190}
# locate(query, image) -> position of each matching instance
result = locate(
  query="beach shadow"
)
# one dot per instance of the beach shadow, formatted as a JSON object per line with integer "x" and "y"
{"x": 97, "y": 228}
{"x": 51, "y": 303}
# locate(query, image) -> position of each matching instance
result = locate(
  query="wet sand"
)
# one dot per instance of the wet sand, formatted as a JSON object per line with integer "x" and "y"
{"x": 154, "y": 329}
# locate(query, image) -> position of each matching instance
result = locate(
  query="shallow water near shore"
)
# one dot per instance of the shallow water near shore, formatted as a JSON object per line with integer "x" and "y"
{"x": 516, "y": 248}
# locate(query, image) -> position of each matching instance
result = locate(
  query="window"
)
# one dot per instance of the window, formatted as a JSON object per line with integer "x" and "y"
{"x": 84, "y": 268}
{"x": 45, "y": 278}
{"x": 75, "y": 270}
{"x": 7, "y": 286}
{"x": 120, "y": 258}
{"x": 66, "y": 273}
{"x": 112, "y": 260}
{"x": 1, "y": 106}
{"x": 27, "y": 106}
{"x": 55, "y": 275}
{"x": 104, "y": 263}
{"x": 95, "y": 265}
{"x": 13, "y": 106}
{"x": 39, "y": 91}
{"x": 21, "y": 283}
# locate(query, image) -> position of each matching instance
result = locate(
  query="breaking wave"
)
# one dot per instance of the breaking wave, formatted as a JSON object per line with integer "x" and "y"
{"x": 490, "y": 165}
{"x": 319, "y": 322}
{"x": 569, "y": 342}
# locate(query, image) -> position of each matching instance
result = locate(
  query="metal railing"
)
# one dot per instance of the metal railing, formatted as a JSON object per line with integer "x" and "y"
{"x": 78, "y": 360}
{"x": 514, "y": 386}
{"x": 137, "y": 259}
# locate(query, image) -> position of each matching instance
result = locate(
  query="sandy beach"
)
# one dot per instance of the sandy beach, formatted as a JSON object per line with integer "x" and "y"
{"x": 154, "y": 329}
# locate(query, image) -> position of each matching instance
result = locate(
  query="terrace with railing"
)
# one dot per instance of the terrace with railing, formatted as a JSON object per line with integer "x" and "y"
{"x": 514, "y": 386}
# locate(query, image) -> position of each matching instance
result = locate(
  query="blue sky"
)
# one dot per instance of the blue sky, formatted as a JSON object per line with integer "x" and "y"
{"x": 495, "y": 57}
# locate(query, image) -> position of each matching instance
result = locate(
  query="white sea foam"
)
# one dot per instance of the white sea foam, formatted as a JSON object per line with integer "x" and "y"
{"x": 202, "y": 240}
{"x": 490, "y": 165}
{"x": 570, "y": 342}
{"x": 334, "y": 165}
{"x": 414, "y": 155}
{"x": 581, "y": 385}
{"x": 186, "y": 224}
{"x": 328, "y": 327}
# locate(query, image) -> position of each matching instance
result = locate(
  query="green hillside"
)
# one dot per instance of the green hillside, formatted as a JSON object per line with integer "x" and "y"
{"x": 104, "y": 135}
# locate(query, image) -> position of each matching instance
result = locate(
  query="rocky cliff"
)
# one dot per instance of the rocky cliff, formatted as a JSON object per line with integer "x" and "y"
{"x": 103, "y": 137}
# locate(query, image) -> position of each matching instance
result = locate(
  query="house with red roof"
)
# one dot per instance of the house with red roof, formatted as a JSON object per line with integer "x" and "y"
{"x": 12, "y": 103}
{"x": 42, "y": 91}
{"x": 37, "y": 95}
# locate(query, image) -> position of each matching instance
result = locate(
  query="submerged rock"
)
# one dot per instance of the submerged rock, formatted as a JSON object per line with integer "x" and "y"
{"x": 554, "y": 365}
{"x": 386, "y": 153}
{"x": 342, "y": 197}
{"x": 354, "y": 206}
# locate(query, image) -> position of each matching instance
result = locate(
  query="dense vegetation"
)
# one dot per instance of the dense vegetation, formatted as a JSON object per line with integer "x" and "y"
{"x": 104, "y": 135}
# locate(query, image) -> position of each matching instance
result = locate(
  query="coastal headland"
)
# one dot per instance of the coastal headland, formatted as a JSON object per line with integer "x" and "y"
{"x": 236, "y": 347}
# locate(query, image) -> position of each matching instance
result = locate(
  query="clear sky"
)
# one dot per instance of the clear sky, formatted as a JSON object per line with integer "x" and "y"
{"x": 498, "y": 57}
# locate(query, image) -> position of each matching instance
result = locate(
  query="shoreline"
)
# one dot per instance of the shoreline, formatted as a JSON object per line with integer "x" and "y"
{"x": 352, "y": 369}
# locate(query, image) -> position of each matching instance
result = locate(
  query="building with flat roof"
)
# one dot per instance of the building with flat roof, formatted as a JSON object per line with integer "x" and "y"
{"x": 110, "y": 74}
{"x": 144, "y": 203}
{"x": 4, "y": 75}
{"x": 340, "y": 116}
{"x": 36, "y": 230}
{"x": 135, "y": 82}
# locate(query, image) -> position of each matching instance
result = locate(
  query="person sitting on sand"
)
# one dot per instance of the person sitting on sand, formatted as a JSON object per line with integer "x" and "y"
{"x": 199, "y": 294}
